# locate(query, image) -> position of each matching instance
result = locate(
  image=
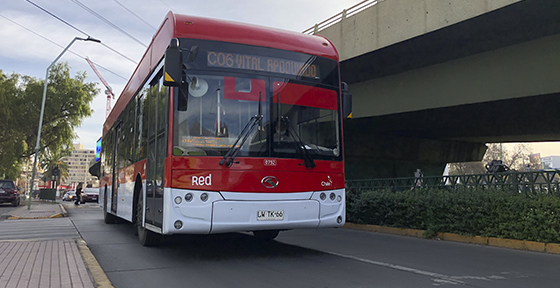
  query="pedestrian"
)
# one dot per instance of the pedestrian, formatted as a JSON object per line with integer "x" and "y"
{"x": 78, "y": 194}
{"x": 418, "y": 177}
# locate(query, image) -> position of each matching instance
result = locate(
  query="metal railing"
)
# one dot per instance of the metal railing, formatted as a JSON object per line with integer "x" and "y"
{"x": 534, "y": 182}
{"x": 342, "y": 15}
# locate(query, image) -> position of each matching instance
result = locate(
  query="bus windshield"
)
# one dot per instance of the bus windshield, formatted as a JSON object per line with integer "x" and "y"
{"x": 212, "y": 111}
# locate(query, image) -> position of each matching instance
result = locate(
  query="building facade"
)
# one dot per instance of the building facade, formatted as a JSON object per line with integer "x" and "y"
{"x": 551, "y": 162}
{"x": 78, "y": 165}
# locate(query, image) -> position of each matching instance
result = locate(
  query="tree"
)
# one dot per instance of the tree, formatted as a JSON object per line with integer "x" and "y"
{"x": 13, "y": 143}
{"x": 52, "y": 161}
{"x": 515, "y": 156}
{"x": 466, "y": 168}
{"x": 68, "y": 103}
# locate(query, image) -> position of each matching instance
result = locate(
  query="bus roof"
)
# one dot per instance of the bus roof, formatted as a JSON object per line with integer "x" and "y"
{"x": 184, "y": 26}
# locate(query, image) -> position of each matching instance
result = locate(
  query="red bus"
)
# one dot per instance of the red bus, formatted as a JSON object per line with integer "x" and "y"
{"x": 226, "y": 127}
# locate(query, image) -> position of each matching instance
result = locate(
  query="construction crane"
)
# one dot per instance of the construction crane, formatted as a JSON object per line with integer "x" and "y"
{"x": 108, "y": 92}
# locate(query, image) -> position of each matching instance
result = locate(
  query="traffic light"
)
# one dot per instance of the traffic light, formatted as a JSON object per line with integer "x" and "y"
{"x": 55, "y": 172}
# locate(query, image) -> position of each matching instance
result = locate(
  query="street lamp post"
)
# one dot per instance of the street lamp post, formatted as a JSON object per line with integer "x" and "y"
{"x": 43, "y": 111}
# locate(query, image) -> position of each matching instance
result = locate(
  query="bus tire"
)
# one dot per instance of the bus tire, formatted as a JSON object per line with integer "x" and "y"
{"x": 137, "y": 195}
{"x": 145, "y": 236}
{"x": 108, "y": 218}
{"x": 266, "y": 235}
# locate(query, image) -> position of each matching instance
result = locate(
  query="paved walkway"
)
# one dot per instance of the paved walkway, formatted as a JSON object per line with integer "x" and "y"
{"x": 39, "y": 210}
{"x": 36, "y": 261}
{"x": 46, "y": 263}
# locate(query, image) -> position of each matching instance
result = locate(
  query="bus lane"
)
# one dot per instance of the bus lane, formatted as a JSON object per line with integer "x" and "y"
{"x": 306, "y": 258}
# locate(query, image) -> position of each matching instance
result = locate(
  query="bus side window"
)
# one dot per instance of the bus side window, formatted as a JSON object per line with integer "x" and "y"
{"x": 142, "y": 123}
{"x": 140, "y": 134}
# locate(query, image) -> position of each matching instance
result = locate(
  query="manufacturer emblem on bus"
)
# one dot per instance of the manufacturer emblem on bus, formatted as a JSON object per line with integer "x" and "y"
{"x": 327, "y": 183}
{"x": 269, "y": 162}
{"x": 269, "y": 182}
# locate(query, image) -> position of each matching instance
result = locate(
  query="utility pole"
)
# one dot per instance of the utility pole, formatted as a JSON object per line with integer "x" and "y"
{"x": 43, "y": 111}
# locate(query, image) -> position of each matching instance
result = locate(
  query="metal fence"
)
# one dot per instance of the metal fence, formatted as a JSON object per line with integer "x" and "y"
{"x": 338, "y": 17}
{"x": 534, "y": 182}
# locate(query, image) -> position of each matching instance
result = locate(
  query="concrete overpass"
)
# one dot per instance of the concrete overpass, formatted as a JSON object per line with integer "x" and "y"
{"x": 433, "y": 80}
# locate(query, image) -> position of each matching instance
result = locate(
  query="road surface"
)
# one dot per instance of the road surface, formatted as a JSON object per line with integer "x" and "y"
{"x": 306, "y": 258}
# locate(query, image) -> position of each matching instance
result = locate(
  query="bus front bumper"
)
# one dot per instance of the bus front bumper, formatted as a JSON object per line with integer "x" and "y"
{"x": 236, "y": 212}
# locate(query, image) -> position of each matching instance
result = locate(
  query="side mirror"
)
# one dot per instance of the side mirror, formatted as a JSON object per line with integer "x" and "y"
{"x": 95, "y": 169}
{"x": 173, "y": 64}
{"x": 192, "y": 53}
{"x": 346, "y": 100}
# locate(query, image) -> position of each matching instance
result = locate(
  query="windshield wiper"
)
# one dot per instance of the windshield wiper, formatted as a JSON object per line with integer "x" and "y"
{"x": 300, "y": 146}
{"x": 243, "y": 136}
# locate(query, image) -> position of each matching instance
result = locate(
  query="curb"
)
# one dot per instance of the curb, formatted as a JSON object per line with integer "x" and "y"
{"x": 552, "y": 248}
{"x": 64, "y": 213}
{"x": 46, "y": 217}
{"x": 99, "y": 277}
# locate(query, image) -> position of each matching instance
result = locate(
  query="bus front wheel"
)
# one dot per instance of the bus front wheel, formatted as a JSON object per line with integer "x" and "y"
{"x": 146, "y": 237}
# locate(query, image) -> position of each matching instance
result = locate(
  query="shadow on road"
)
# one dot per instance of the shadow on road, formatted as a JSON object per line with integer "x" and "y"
{"x": 230, "y": 246}
{"x": 218, "y": 247}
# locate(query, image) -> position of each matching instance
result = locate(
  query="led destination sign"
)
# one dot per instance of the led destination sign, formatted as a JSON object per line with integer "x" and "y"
{"x": 206, "y": 141}
{"x": 261, "y": 63}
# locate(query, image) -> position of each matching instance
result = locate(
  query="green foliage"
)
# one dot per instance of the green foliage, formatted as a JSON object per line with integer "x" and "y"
{"x": 51, "y": 159}
{"x": 68, "y": 103}
{"x": 12, "y": 142}
{"x": 484, "y": 212}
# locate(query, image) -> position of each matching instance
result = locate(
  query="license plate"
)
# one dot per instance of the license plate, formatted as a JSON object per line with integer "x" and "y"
{"x": 94, "y": 199}
{"x": 268, "y": 215}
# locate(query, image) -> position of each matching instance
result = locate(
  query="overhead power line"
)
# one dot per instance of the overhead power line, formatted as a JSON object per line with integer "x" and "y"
{"x": 122, "y": 55}
{"x": 61, "y": 46}
{"x": 60, "y": 19}
{"x": 167, "y": 6}
{"x": 108, "y": 22}
{"x": 141, "y": 19}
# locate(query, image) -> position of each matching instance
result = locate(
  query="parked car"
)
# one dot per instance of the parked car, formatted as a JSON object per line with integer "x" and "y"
{"x": 9, "y": 192}
{"x": 69, "y": 196}
{"x": 90, "y": 195}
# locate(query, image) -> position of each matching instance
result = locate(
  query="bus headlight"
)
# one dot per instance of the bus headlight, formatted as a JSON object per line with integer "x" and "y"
{"x": 188, "y": 197}
{"x": 178, "y": 224}
{"x": 323, "y": 196}
{"x": 339, "y": 219}
{"x": 332, "y": 196}
{"x": 204, "y": 197}
{"x": 339, "y": 198}
{"x": 178, "y": 200}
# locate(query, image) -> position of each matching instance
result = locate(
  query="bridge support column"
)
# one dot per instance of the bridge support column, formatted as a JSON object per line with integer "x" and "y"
{"x": 379, "y": 156}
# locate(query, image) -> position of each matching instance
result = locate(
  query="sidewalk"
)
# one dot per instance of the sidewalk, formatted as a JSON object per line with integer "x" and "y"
{"x": 39, "y": 210}
{"x": 46, "y": 263}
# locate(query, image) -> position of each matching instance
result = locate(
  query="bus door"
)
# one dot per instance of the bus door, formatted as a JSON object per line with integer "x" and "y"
{"x": 157, "y": 151}
{"x": 116, "y": 167}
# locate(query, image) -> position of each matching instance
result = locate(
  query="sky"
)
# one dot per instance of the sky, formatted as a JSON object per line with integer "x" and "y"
{"x": 31, "y": 37}
{"x": 125, "y": 26}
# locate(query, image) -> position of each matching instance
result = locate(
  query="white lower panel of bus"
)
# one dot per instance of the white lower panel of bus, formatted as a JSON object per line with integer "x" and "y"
{"x": 231, "y": 216}
{"x": 124, "y": 200}
{"x": 234, "y": 212}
